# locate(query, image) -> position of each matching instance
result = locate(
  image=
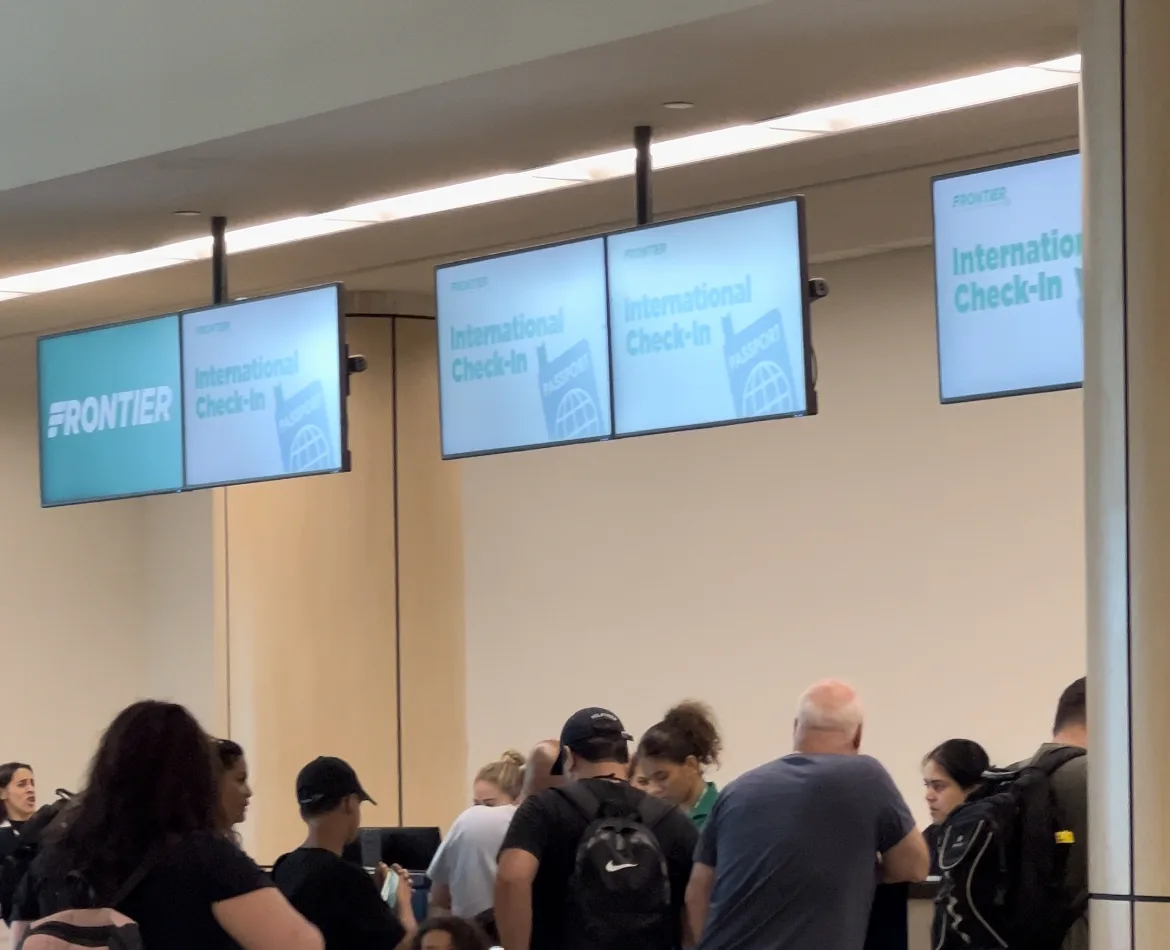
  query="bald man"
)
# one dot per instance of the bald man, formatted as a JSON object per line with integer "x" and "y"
{"x": 538, "y": 769}
{"x": 791, "y": 852}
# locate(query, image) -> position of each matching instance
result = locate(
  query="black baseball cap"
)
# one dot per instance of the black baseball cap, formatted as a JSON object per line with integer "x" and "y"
{"x": 329, "y": 779}
{"x": 586, "y": 724}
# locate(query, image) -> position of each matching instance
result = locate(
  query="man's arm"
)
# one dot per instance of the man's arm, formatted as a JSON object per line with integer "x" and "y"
{"x": 908, "y": 860}
{"x": 901, "y": 848}
{"x": 439, "y": 903}
{"x": 517, "y": 871}
{"x": 699, "y": 890}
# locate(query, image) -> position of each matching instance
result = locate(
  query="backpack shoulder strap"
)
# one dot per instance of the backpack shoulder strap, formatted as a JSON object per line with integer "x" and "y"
{"x": 577, "y": 795}
{"x": 653, "y": 811}
{"x": 130, "y": 885}
{"x": 1054, "y": 759}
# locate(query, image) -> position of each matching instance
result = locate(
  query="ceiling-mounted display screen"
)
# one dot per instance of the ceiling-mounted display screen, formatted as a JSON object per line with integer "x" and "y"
{"x": 523, "y": 349}
{"x": 110, "y": 414}
{"x": 1007, "y": 243}
{"x": 263, "y": 388}
{"x": 709, "y": 320}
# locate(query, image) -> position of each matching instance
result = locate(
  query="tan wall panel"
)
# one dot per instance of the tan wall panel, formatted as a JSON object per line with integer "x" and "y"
{"x": 1109, "y": 925}
{"x": 430, "y": 551}
{"x": 310, "y": 601}
{"x": 1151, "y": 927}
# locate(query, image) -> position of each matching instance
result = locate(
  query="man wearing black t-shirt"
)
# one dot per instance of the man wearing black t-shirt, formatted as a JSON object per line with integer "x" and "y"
{"x": 336, "y": 896}
{"x": 539, "y": 852}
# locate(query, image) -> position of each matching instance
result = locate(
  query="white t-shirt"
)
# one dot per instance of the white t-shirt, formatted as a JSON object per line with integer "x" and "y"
{"x": 466, "y": 860}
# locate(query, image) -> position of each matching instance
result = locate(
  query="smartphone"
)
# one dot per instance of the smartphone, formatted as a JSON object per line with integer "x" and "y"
{"x": 390, "y": 890}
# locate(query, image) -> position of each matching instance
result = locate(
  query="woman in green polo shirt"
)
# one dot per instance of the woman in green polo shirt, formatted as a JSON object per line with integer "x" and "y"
{"x": 674, "y": 755}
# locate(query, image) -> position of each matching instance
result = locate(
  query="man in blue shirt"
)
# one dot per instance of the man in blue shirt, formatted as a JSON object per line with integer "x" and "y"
{"x": 793, "y": 850}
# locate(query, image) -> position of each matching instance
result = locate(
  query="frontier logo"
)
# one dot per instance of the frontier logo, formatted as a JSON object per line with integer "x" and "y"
{"x": 133, "y": 407}
{"x": 987, "y": 198}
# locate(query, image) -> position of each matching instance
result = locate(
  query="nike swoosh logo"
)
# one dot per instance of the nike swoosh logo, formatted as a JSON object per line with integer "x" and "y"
{"x": 611, "y": 867}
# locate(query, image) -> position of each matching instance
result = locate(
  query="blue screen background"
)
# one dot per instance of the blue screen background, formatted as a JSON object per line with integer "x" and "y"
{"x": 523, "y": 352}
{"x": 1009, "y": 321}
{"x": 707, "y": 320}
{"x": 262, "y": 388}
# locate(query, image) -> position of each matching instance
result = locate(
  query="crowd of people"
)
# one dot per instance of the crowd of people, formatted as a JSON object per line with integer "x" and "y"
{"x": 591, "y": 842}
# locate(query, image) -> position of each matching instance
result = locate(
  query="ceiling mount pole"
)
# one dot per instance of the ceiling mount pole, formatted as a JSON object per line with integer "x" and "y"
{"x": 219, "y": 260}
{"x": 643, "y": 199}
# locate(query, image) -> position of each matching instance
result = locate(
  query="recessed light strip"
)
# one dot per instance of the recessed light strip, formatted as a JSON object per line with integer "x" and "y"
{"x": 934, "y": 99}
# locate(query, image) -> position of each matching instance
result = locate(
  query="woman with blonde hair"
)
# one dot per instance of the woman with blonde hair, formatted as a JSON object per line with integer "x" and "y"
{"x": 500, "y": 782}
{"x": 463, "y": 872}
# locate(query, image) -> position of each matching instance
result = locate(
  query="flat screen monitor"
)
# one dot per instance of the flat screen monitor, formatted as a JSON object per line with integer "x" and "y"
{"x": 110, "y": 413}
{"x": 410, "y": 848}
{"x": 709, "y": 320}
{"x": 263, "y": 388}
{"x": 523, "y": 349}
{"x": 1007, "y": 259}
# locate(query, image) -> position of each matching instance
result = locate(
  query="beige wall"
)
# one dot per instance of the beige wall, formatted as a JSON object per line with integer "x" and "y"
{"x": 320, "y": 615}
{"x": 274, "y": 611}
{"x": 931, "y": 554}
{"x": 434, "y": 738}
{"x": 72, "y": 583}
{"x": 182, "y": 646}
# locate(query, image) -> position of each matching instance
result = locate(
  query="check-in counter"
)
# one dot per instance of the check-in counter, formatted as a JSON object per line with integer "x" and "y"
{"x": 919, "y": 914}
{"x": 900, "y": 917}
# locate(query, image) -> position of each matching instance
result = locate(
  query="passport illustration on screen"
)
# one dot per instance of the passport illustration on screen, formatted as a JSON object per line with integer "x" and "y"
{"x": 302, "y": 425}
{"x": 568, "y": 389}
{"x": 758, "y": 367}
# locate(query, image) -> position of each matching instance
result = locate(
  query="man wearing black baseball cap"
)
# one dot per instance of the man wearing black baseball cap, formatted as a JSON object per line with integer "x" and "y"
{"x": 586, "y": 725}
{"x": 336, "y": 896}
{"x": 575, "y": 855}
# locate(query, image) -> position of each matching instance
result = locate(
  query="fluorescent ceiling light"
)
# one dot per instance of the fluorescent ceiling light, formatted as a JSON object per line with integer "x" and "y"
{"x": 447, "y": 198}
{"x": 934, "y": 99}
{"x": 103, "y": 268}
{"x": 1066, "y": 64}
{"x": 721, "y": 143}
{"x": 915, "y": 103}
{"x": 594, "y": 168}
{"x": 287, "y": 231}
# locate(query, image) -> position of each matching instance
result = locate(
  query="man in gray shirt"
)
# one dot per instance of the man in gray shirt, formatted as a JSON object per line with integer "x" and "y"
{"x": 793, "y": 850}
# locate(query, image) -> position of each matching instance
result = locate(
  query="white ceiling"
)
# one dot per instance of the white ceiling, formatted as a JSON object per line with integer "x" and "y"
{"x": 769, "y": 59}
{"x": 91, "y": 84}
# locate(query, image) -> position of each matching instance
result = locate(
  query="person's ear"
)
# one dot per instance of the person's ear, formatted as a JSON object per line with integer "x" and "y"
{"x": 567, "y": 768}
{"x": 692, "y": 763}
{"x": 857, "y": 739}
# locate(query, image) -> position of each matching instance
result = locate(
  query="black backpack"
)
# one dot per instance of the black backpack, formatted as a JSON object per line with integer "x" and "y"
{"x": 16, "y": 865}
{"x": 619, "y": 893}
{"x": 1002, "y": 857}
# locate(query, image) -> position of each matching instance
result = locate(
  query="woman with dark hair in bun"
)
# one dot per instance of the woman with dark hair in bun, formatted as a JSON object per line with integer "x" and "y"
{"x": 674, "y": 755}
{"x": 950, "y": 772}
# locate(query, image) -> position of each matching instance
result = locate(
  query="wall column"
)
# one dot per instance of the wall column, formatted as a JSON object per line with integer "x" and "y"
{"x": 1125, "y": 141}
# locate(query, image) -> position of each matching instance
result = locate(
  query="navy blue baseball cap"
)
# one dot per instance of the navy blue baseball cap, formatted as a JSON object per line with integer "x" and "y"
{"x": 586, "y": 724}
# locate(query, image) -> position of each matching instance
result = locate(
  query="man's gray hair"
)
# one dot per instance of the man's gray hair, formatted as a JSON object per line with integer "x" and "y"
{"x": 830, "y": 706}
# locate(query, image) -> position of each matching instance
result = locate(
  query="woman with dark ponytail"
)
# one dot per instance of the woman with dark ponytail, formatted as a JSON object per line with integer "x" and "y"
{"x": 674, "y": 755}
{"x": 950, "y": 772}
